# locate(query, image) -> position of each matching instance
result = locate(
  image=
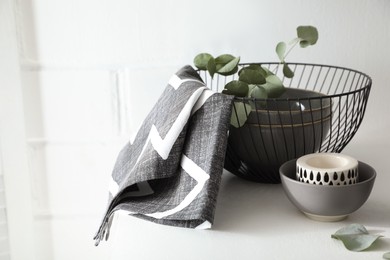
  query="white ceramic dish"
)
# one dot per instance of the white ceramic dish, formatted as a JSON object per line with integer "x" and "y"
{"x": 327, "y": 169}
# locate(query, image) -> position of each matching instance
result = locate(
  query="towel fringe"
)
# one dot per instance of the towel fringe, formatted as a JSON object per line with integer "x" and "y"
{"x": 101, "y": 232}
{"x": 104, "y": 230}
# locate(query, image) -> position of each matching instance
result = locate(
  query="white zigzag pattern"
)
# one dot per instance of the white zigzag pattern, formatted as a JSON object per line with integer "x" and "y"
{"x": 202, "y": 99}
{"x": 176, "y": 82}
{"x": 195, "y": 172}
{"x": 143, "y": 189}
{"x": 204, "y": 225}
{"x": 164, "y": 146}
{"x": 113, "y": 187}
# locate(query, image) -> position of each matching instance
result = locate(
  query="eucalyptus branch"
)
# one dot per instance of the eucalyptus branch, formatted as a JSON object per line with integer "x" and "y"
{"x": 254, "y": 80}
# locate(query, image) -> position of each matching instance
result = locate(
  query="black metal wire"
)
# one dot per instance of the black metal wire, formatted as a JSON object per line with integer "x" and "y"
{"x": 257, "y": 149}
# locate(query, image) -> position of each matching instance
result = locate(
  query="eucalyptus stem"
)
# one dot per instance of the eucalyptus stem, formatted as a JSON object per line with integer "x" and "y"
{"x": 292, "y": 47}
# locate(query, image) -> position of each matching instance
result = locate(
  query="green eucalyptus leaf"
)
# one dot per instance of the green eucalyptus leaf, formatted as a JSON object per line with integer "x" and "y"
{"x": 201, "y": 60}
{"x": 267, "y": 72}
{"x": 234, "y": 71}
{"x": 281, "y": 50}
{"x": 253, "y": 67}
{"x": 287, "y": 72}
{"x": 211, "y": 67}
{"x": 252, "y": 77}
{"x": 308, "y": 35}
{"x": 355, "y": 237}
{"x": 263, "y": 72}
{"x": 259, "y": 92}
{"x": 256, "y": 67}
{"x": 240, "y": 114}
{"x": 304, "y": 43}
{"x": 236, "y": 88}
{"x": 249, "y": 67}
{"x": 224, "y": 59}
{"x": 386, "y": 255}
{"x": 229, "y": 68}
{"x": 273, "y": 86}
{"x": 251, "y": 87}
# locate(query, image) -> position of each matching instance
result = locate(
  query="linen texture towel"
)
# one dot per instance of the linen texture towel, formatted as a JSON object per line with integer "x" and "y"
{"x": 170, "y": 174}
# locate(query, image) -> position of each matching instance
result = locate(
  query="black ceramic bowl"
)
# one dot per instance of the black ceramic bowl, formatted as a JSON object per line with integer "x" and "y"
{"x": 325, "y": 202}
{"x": 279, "y": 130}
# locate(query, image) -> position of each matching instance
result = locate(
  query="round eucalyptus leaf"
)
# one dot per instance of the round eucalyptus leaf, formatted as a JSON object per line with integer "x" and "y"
{"x": 386, "y": 255}
{"x": 201, "y": 60}
{"x": 304, "y": 44}
{"x": 240, "y": 114}
{"x": 253, "y": 67}
{"x": 274, "y": 80}
{"x": 308, "y": 35}
{"x": 259, "y": 92}
{"x": 281, "y": 50}
{"x": 273, "y": 86}
{"x": 211, "y": 67}
{"x": 252, "y": 77}
{"x": 287, "y": 72}
{"x": 229, "y": 68}
{"x": 249, "y": 67}
{"x": 234, "y": 71}
{"x": 251, "y": 87}
{"x": 236, "y": 88}
{"x": 263, "y": 72}
{"x": 224, "y": 59}
{"x": 267, "y": 72}
{"x": 218, "y": 66}
{"x": 355, "y": 237}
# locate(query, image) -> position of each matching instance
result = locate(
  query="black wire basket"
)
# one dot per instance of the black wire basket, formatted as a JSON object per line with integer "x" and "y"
{"x": 320, "y": 111}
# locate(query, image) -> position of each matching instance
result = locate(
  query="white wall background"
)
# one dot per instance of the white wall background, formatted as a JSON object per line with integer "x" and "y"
{"x": 4, "y": 240}
{"x": 91, "y": 70}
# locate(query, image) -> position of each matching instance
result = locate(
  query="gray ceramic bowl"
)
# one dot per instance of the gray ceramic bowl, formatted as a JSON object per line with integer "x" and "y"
{"x": 279, "y": 130}
{"x": 327, "y": 203}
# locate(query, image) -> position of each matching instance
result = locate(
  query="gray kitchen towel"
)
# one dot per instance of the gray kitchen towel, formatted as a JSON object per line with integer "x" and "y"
{"x": 170, "y": 174}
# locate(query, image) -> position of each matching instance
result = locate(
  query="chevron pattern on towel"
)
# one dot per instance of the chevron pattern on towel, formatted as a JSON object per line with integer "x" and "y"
{"x": 170, "y": 174}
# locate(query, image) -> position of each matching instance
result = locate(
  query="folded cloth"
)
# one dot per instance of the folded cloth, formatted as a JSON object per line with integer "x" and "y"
{"x": 170, "y": 174}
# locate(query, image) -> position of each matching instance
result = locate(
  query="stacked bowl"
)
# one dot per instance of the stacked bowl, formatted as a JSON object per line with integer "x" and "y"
{"x": 319, "y": 197}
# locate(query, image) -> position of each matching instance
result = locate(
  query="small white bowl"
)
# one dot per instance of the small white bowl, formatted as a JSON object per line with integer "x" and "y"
{"x": 327, "y": 169}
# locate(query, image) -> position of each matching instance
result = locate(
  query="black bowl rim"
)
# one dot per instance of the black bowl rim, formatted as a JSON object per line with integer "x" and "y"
{"x": 319, "y": 95}
{"x": 297, "y": 111}
{"x": 309, "y": 123}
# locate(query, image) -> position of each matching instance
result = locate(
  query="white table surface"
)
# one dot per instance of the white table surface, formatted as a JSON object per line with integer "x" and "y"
{"x": 257, "y": 221}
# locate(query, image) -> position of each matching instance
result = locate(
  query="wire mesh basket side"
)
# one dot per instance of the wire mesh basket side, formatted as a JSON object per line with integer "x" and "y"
{"x": 281, "y": 129}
